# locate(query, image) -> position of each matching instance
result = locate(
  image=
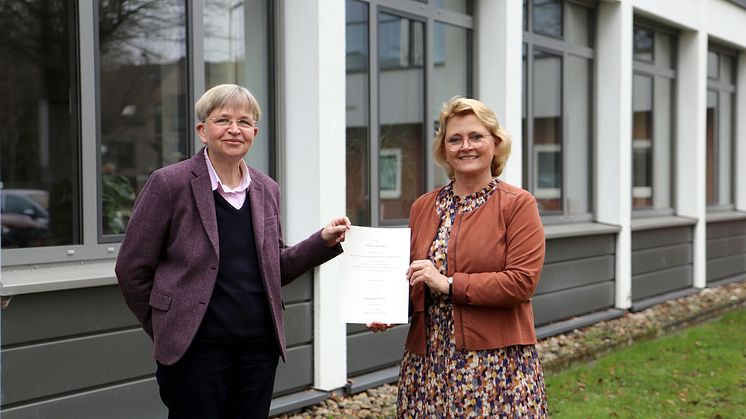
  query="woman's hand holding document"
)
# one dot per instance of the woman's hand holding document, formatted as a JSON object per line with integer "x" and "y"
{"x": 374, "y": 270}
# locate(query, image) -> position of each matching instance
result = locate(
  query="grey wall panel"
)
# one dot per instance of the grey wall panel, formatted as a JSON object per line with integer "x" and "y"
{"x": 728, "y": 228}
{"x": 137, "y": 399}
{"x": 725, "y": 246}
{"x": 729, "y": 266}
{"x": 51, "y": 368}
{"x": 658, "y": 258}
{"x": 660, "y": 282}
{"x": 298, "y": 323}
{"x": 299, "y": 290}
{"x": 49, "y": 315}
{"x": 574, "y": 273}
{"x": 368, "y": 351}
{"x": 572, "y": 302}
{"x": 297, "y": 372}
{"x": 661, "y": 237}
{"x": 579, "y": 247}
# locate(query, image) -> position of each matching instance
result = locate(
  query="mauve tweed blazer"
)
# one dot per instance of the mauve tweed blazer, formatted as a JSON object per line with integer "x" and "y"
{"x": 168, "y": 261}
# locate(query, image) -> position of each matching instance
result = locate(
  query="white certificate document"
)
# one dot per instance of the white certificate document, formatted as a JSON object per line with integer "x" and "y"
{"x": 374, "y": 275}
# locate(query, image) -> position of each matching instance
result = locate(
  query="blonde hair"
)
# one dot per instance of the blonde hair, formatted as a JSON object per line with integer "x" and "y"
{"x": 227, "y": 96}
{"x": 458, "y": 105}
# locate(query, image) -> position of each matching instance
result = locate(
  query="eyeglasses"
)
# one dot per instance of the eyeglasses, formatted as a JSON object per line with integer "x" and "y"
{"x": 226, "y": 122}
{"x": 476, "y": 139}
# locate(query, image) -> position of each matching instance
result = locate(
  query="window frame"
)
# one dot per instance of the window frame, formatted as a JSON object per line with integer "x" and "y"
{"x": 531, "y": 42}
{"x": 654, "y": 70}
{"x": 428, "y": 14}
{"x": 719, "y": 86}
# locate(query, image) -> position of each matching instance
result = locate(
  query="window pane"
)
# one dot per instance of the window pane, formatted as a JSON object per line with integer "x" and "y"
{"x": 662, "y": 140}
{"x": 39, "y": 140}
{"x": 578, "y": 25}
{"x": 643, "y": 44}
{"x": 451, "y": 74}
{"x": 401, "y": 168}
{"x": 547, "y": 185}
{"x": 460, "y": 6}
{"x": 143, "y": 91}
{"x": 642, "y": 142}
{"x": 358, "y": 192}
{"x": 664, "y": 48}
{"x": 548, "y": 17}
{"x": 711, "y": 167}
{"x": 725, "y": 142}
{"x": 713, "y": 61}
{"x": 727, "y": 75}
{"x": 235, "y": 46}
{"x": 578, "y": 116}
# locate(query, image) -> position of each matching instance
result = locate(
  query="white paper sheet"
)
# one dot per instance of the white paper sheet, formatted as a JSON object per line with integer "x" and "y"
{"x": 374, "y": 275}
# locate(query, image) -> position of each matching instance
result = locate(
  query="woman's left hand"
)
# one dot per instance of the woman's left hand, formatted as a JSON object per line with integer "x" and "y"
{"x": 334, "y": 232}
{"x": 424, "y": 271}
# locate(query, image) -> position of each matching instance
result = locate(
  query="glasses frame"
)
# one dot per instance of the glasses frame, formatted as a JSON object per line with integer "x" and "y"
{"x": 231, "y": 121}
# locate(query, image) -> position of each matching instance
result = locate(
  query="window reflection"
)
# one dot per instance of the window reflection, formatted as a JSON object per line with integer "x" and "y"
{"x": 548, "y": 17}
{"x": 451, "y": 73}
{"x": 401, "y": 89}
{"x": 358, "y": 192}
{"x": 643, "y": 44}
{"x": 642, "y": 142}
{"x": 719, "y": 134}
{"x": 144, "y": 110}
{"x": 235, "y": 48}
{"x": 39, "y": 140}
{"x": 547, "y": 131}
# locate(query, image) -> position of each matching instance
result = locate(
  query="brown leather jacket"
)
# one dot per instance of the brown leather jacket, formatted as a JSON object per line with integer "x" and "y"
{"x": 495, "y": 255}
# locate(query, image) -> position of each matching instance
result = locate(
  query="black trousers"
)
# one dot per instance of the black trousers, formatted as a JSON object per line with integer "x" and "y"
{"x": 220, "y": 381}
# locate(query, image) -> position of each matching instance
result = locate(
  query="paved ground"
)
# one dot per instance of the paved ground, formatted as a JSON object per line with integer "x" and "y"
{"x": 561, "y": 351}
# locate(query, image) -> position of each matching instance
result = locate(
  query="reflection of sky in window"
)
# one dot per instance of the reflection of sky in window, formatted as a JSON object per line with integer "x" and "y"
{"x": 390, "y": 41}
{"x": 548, "y": 17}
{"x": 643, "y": 44}
{"x": 440, "y": 43}
{"x": 152, "y": 34}
{"x": 224, "y": 30}
{"x": 356, "y": 36}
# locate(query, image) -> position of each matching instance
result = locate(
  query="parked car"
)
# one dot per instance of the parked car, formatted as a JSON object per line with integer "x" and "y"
{"x": 24, "y": 216}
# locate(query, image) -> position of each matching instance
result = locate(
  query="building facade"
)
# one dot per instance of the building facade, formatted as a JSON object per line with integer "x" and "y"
{"x": 628, "y": 120}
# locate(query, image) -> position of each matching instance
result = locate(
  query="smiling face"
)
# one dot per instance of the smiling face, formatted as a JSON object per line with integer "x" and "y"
{"x": 227, "y": 143}
{"x": 469, "y": 147}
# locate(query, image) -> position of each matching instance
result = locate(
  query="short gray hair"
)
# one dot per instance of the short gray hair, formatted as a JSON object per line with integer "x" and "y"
{"x": 230, "y": 96}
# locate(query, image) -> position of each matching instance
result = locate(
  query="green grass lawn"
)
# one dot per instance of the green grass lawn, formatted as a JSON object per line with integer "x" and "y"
{"x": 699, "y": 372}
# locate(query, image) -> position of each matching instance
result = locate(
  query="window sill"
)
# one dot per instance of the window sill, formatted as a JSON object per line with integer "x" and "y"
{"x": 560, "y": 231}
{"x": 652, "y": 223}
{"x": 719, "y": 216}
{"x": 43, "y": 278}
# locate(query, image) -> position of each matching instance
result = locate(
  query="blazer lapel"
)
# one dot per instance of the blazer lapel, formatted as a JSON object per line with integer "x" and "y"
{"x": 256, "y": 198}
{"x": 202, "y": 190}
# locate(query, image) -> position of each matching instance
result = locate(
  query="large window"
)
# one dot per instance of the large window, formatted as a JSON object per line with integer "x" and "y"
{"x": 144, "y": 114}
{"x": 395, "y": 88}
{"x": 652, "y": 119}
{"x": 94, "y": 100}
{"x": 39, "y": 116}
{"x": 721, "y": 91}
{"x": 558, "y": 111}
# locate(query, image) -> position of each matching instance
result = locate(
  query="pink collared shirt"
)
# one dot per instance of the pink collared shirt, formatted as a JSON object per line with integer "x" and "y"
{"x": 235, "y": 196}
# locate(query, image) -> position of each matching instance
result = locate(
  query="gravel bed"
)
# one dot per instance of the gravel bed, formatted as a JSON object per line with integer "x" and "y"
{"x": 561, "y": 351}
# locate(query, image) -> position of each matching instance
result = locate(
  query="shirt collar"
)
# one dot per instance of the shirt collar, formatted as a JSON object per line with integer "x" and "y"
{"x": 215, "y": 179}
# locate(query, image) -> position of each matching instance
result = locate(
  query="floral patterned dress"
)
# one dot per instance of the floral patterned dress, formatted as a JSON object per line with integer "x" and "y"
{"x": 448, "y": 383}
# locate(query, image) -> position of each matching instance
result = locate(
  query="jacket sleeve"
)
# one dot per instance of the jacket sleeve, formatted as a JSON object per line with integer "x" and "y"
{"x": 303, "y": 256}
{"x": 524, "y": 259}
{"x": 147, "y": 231}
